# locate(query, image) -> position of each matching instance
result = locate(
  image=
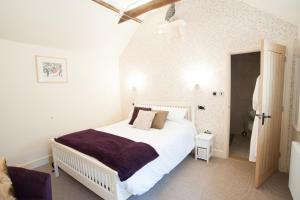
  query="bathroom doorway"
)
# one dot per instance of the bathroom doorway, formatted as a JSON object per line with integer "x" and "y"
{"x": 245, "y": 69}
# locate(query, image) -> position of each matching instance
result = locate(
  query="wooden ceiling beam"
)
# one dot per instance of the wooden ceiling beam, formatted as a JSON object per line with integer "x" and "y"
{"x": 135, "y": 12}
{"x": 113, "y": 8}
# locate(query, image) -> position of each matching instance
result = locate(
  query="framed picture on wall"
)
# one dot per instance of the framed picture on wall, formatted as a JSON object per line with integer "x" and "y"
{"x": 51, "y": 69}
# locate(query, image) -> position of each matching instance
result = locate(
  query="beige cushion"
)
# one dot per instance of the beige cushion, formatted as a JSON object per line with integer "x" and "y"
{"x": 144, "y": 120}
{"x": 159, "y": 119}
{"x": 6, "y": 188}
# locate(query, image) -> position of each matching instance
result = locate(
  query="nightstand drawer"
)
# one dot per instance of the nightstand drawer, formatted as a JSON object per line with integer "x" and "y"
{"x": 202, "y": 153}
{"x": 202, "y": 143}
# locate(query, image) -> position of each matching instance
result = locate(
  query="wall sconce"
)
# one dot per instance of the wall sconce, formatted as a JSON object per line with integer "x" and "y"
{"x": 199, "y": 78}
{"x": 133, "y": 88}
{"x": 136, "y": 80}
{"x": 192, "y": 79}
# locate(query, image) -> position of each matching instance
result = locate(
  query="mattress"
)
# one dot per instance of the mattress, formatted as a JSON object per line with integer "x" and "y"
{"x": 173, "y": 143}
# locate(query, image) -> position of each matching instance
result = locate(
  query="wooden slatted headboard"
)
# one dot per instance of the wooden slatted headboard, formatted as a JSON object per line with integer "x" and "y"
{"x": 188, "y": 107}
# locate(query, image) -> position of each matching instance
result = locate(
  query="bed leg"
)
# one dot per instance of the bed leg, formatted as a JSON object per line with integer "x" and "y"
{"x": 56, "y": 172}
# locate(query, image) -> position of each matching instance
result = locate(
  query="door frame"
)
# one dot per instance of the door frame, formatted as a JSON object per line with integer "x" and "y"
{"x": 286, "y": 135}
{"x": 227, "y": 123}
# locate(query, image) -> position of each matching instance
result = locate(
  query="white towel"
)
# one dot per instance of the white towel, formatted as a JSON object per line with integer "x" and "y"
{"x": 253, "y": 144}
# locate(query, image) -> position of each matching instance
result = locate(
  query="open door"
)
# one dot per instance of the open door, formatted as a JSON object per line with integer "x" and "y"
{"x": 270, "y": 109}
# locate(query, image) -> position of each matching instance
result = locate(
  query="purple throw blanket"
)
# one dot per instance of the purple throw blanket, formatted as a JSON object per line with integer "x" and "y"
{"x": 121, "y": 154}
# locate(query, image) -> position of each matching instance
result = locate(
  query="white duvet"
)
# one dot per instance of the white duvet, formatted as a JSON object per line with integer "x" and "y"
{"x": 173, "y": 143}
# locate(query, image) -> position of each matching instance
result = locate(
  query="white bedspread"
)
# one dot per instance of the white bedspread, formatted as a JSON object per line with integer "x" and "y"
{"x": 173, "y": 143}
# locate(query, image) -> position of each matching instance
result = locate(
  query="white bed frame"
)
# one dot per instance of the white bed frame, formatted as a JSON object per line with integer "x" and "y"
{"x": 93, "y": 174}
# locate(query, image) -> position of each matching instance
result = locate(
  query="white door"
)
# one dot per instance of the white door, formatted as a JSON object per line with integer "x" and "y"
{"x": 270, "y": 109}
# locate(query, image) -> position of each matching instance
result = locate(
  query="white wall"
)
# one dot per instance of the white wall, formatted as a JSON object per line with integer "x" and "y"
{"x": 296, "y": 105}
{"x": 287, "y": 10}
{"x": 298, "y": 43}
{"x": 213, "y": 30}
{"x": 32, "y": 112}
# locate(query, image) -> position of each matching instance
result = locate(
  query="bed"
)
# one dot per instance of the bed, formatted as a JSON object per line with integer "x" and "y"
{"x": 173, "y": 143}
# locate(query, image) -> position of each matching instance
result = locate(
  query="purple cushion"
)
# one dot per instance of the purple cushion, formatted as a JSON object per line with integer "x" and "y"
{"x": 29, "y": 184}
{"x": 136, "y": 112}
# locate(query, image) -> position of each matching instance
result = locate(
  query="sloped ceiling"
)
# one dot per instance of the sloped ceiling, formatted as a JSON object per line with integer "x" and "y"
{"x": 67, "y": 24}
{"x": 83, "y": 24}
{"x": 288, "y": 10}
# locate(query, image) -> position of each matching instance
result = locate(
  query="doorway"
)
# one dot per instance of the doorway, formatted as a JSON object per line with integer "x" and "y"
{"x": 245, "y": 68}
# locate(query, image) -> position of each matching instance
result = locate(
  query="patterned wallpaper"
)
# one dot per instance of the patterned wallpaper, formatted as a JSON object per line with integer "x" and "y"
{"x": 199, "y": 51}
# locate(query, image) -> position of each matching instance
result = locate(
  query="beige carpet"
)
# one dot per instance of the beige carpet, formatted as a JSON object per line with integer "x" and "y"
{"x": 191, "y": 180}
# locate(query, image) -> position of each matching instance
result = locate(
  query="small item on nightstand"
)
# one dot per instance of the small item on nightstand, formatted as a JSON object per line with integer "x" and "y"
{"x": 204, "y": 146}
{"x": 201, "y": 107}
{"x": 207, "y": 132}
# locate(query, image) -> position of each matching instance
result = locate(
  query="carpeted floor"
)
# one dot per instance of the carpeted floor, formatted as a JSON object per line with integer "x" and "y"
{"x": 192, "y": 180}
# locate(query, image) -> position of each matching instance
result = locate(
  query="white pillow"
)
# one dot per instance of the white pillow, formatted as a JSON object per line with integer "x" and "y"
{"x": 144, "y": 120}
{"x": 175, "y": 114}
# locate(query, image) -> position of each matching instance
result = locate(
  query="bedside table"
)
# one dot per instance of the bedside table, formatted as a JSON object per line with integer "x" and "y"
{"x": 204, "y": 146}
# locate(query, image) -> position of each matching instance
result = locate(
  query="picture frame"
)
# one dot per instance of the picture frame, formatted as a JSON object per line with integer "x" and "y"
{"x": 51, "y": 69}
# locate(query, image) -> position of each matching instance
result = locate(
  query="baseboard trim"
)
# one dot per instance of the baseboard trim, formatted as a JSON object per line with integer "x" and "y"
{"x": 219, "y": 153}
{"x": 37, "y": 162}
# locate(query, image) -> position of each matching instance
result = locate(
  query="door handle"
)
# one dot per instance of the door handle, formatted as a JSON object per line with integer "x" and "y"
{"x": 262, "y": 116}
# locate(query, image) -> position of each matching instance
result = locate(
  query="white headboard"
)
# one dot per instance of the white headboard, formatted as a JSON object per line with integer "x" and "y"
{"x": 188, "y": 107}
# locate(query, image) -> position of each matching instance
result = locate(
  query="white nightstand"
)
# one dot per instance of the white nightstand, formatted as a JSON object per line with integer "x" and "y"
{"x": 204, "y": 146}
